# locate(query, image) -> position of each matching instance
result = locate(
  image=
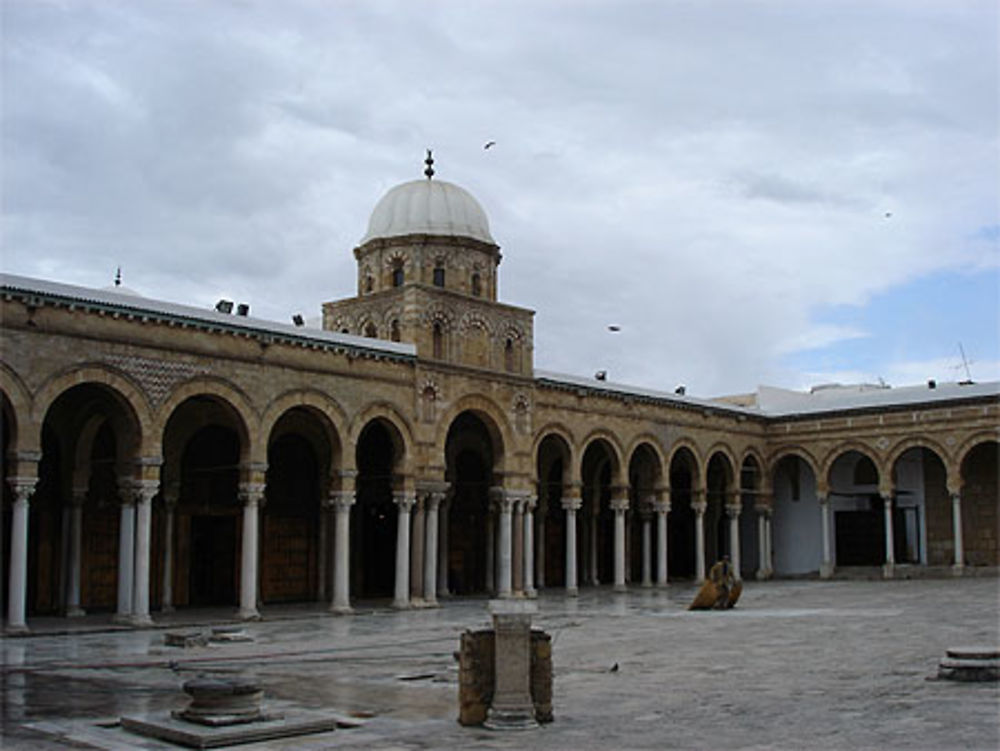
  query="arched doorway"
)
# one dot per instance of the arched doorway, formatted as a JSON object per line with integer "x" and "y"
{"x": 921, "y": 524}
{"x": 718, "y": 485}
{"x": 471, "y": 450}
{"x": 681, "y": 528}
{"x": 552, "y": 463}
{"x": 375, "y": 519}
{"x": 979, "y": 504}
{"x": 797, "y": 530}
{"x": 645, "y": 473}
{"x": 750, "y": 487}
{"x": 597, "y": 471}
{"x": 858, "y": 511}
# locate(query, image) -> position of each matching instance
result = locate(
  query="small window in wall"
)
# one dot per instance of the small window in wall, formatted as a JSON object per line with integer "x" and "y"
{"x": 397, "y": 276}
{"x": 394, "y": 332}
{"x": 438, "y": 342}
{"x": 477, "y": 285}
{"x": 370, "y": 331}
{"x": 344, "y": 331}
{"x": 438, "y": 276}
{"x": 508, "y": 356}
{"x": 369, "y": 283}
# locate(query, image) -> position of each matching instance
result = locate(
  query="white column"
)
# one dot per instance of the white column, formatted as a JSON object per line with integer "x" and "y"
{"x": 250, "y": 495}
{"x": 571, "y": 505}
{"x": 167, "y": 596}
{"x": 593, "y": 522}
{"x": 432, "y": 502}
{"x": 662, "y": 509}
{"x": 647, "y": 554}
{"x": 540, "y": 550}
{"x": 126, "y": 552}
{"x": 145, "y": 490}
{"x": 768, "y": 543}
{"x": 491, "y": 538}
{"x": 23, "y": 488}
{"x": 73, "y": 608}
{"x": 404, "y": 502}
{"x": 417, "y": 553}
{"x": 342, "y": 502}
{"x": 505, "y": 504}
{"x": 442, "y": 567}
{"x": 826, "y": 566}
{"x": 529, "y": 548}
{"x": 733, "y": 511}
{"x": 517, "y": 547}
{"x": 890, "y": 553}
{"x": 956, "y": 525}
{"x": 619, "y": 506}
{"x": 699, "y": 539}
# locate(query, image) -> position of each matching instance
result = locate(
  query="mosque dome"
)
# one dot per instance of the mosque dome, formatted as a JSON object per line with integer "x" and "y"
{"x": 428, "y": 207}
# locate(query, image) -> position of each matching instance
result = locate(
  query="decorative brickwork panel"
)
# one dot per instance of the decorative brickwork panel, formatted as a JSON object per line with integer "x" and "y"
{"x": 157, "y": 377}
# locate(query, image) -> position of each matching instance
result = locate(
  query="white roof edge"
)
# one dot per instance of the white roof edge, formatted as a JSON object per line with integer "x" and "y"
{"x": 126, "y": 301}
{"x": 881, "y": 398}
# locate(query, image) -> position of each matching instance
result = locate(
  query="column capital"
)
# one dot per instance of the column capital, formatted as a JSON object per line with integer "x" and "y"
{"x": 404, "y": 499}
{"x": 822, "y": 498}
{"x": 251, "y": 493}
{"x": 572, "y": 503}
{"x": 763, "y": 509}
{"x": 22, "y": 488}
{"x": 145, "y": 490}
{"x": 662, "y": 507}
{"x": 733, "y": 510}
{"x": 699, "y": 507}
{"x": 530, "y": 503}
{"x": 619, "y": 504}
{"x": 433, "y": 499}
{"x": 126, "y": 491}
{"x": 339, "y": 499}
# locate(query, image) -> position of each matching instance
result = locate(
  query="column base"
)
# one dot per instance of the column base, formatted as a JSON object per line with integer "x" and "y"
{"x": 531, "y": 594}
{"x": 825, "y": 570}
{"x": 619, "y": 588}
{"x": 957, "y": 569}
{"x": 505, "y": 595}
{"x": 341, "y": 609}
{"x": 647, "y": 585}
{"x": 572, "y": 591}
{"x": 17, "y": 629}
{"x": 425, "y": 603}
{"x": 401, "y": 604}
{"x": 75, "y": 612}
{"x": 888, "y": 570}
{"x": 248, "y": 614}
{"x": 123, "y": 618}
{"x": 140, "y": 621}
{"x": 521, "y": 718}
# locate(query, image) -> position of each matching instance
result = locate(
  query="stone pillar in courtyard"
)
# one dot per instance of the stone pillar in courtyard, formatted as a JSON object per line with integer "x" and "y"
{"x": 73, "y": 608}
{"x": 512, "y": 707}
{"x": 251, "y": 496}
{"x": 826, "y": 565}
{"x": 417, "y": 533}
{"x": 733, "y": 510}
{"x": 956, "y": 525}
{"x": 404, "y": 502}
{"x": 662, "y": 509}
{"x": 22, "y": 488}
{"x": 432, "y": 503}
{"x": 517, "y": 547}
{"x": 442, "y": 565}
{"x": 170, "y": 494}
{"x": 529, "y": 548}
{"x": 888, "y": 569}
{"x": 699, "y": 507}
{"x": 341, "y": 501}
{"x": 126, "y": 549}
{"x": 145, "y": 490}
{"x": 646, "y": 516}
{"x": 504, "y": 502}
{"x": 571, "y": 504}
{"x": 619, "y": 506}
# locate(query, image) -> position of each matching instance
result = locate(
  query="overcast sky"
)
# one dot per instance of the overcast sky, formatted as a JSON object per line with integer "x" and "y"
{"x": 777, "y": 192}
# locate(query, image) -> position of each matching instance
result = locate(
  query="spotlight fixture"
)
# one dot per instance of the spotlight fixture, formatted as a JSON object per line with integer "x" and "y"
{"x": 224, "y": 306}
{"x": 601, "y": 375}
{"x": 298, "y": 320}
{"x": 242, "y": 309}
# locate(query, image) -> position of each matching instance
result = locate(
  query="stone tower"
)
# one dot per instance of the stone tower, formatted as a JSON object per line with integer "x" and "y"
{"x": 427, "y": 275}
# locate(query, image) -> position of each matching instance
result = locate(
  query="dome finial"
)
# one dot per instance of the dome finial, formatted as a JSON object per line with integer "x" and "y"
{"x": 118, "y": 277}
{"x": 429, "y": 161}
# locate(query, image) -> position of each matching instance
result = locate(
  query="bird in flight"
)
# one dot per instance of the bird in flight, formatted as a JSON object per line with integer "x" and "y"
{"x": 490, "y": 144}
{"x": 614, "y": 327}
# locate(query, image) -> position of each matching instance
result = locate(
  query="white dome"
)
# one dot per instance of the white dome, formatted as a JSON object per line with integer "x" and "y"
{"x": 428, "y": 207}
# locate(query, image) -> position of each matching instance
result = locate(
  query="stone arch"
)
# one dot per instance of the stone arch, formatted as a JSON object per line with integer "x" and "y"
{"x": 493, "y": 418}
{"x": 980, "y": 498}
{"x": 720, "y": 449}
{"x": 558, "y": 429}
{"x": 332, "y": 415}
{"x": 823, "y": 478}
{"x": 617, "y": 454}
{"x": 122, "y": 387}
{"x": 691, "y": 447}
{"x": 388, "y": 413}
{"x": 653, "y": 444}
{"x": 984, "y": 436}
{"x": 752, "y": 452}
{"x": 223, "y": 391}
{"x": 780, "y": 453}
{"x": 17, "y": 403}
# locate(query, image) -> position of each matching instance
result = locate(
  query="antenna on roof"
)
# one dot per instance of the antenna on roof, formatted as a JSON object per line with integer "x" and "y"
{"x": 429, "y": 161}
{"x": 118, "y": 277}
{"x": 965, "y": 363}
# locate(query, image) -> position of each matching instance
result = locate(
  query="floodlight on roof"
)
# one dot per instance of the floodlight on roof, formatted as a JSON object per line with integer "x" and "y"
{"x": 242, "y": 309}
{"x": 298, "y": 320}
{"x": 224, "y": 306}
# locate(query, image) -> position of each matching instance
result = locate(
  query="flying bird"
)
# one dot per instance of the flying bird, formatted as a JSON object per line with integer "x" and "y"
{"x": 490, "y": 144}
{"x": 614, "y": 327}
{"x": 888, "y": 215}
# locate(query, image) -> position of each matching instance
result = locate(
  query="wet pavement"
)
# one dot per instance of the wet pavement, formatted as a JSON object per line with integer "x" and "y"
{"x": 798, "y": 664}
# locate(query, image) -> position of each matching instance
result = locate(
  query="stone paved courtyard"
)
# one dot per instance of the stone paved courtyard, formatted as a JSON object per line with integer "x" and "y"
{"x": 799, "y": 664}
